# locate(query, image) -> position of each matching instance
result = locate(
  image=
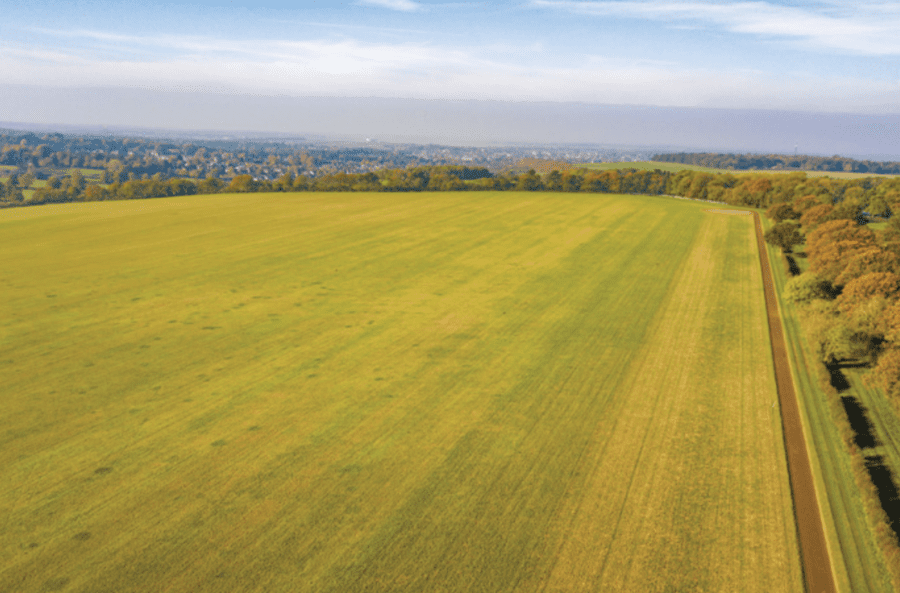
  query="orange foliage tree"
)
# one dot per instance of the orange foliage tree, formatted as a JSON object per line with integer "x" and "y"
{"x": 816, "y": 215}
{"x": 866, "y": 261}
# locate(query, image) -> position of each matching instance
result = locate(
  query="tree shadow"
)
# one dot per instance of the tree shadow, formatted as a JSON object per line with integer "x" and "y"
{"x": 883, "y": 479}
{"x": 793, "y": 268}
{"x": 859, "y": 421}
{"x": 838, "y": 378}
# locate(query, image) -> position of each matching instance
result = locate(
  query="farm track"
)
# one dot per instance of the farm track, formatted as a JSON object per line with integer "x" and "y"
{"x": 814, "y": 551}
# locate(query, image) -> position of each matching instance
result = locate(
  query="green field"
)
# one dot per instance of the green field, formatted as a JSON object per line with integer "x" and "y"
{"x": 651, "y": 166}
{"x": 388, "y": 392}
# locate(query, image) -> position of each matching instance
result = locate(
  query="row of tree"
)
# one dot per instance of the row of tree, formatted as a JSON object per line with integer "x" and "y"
{"x": 850, "y": 294}
{"x": 778, "y": 161}
{"x": 858, "y": 199}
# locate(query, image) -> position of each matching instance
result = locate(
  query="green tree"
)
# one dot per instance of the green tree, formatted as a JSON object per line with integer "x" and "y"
{"x": 780, "y": 212}
{"x": 806, "y": 288}
{"x": 784, "y": 235}
{"x": 554, "y": 181}
{"x": 529, "y": 181}
{"x": 210, "y": 185}
{"x": 242, "y": 184}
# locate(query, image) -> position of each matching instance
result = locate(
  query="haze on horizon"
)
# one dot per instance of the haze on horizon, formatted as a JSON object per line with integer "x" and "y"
{"x": 699, "y": 73}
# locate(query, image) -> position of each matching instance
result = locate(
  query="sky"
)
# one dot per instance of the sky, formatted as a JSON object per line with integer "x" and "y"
{"x": 825, "y": 57}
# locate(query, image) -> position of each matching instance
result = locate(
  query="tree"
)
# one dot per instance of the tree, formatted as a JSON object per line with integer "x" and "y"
{"x": 807, "y": 287}
{"x": 780, "y": 212}
{"x": 242, "y": 184}
{"x": 554, "y": 181}
{"x": 784, "y": 235}
{"x": 210, "y": 185}
{"x": 840, "y": 230}
{"x": 285, "y": 182}
{"x": 866, "y": 261}
{"x": 887, "y": 371}
{"x": 806, "y": 202}
{"x": 816, "y": 215}
{"x": 834, "y": 338}
{"x": 866, "y": 287}
{"x": 529, "y": 181}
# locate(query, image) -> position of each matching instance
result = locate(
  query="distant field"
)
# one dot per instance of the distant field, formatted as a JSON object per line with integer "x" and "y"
{"x": 650, "y": 166}
{"x": 674, "y": 167}
{"x": 405, "y": 392}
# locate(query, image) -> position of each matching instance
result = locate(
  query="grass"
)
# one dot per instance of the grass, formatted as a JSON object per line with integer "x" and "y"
{"x": 858, "y": 562}
{"x": 406, "y": 392}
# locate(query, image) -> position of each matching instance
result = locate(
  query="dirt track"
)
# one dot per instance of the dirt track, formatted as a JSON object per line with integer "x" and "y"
{"x": 813, "y": 550}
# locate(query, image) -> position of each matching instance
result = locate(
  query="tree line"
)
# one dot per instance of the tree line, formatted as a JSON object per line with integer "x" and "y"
{"x": 856, "y": 198}
{"x": 743, "y": 162}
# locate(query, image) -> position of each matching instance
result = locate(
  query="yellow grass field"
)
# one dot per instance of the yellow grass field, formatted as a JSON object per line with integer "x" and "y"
{"x": 388, "y": 392}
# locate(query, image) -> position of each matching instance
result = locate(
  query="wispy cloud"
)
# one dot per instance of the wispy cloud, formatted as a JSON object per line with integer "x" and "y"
{"x": 403, "y": 5}
{"x": 868, "y": 28}
{"x": 422, "y": 70}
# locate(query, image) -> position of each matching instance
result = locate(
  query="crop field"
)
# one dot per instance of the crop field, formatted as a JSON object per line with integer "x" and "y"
{"x": 388, "y": 392}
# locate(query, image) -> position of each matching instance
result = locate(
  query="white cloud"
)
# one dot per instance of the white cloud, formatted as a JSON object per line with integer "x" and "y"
{"x": 417, "y": 70}
{"x": 403, "y": 5}
{"x": 869, "y": 29}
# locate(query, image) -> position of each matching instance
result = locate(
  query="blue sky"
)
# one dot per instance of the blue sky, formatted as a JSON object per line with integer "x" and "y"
{"x": 789, "y": 55}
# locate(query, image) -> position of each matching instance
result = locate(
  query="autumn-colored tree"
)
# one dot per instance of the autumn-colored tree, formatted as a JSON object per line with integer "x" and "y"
{"x": 758, "y": 188}
{"x": 831, "y": 259}
{"x": 242, "y": 184}
{"x": 834, "y": 231}
{"x": 866, "y": 261}
{"x": 94, "y": 193}
{"x": 803, "y": 204}
{"x": 817, "y": 215}
{"x": 887, "y": 371}
{"x": 866, "y": 287}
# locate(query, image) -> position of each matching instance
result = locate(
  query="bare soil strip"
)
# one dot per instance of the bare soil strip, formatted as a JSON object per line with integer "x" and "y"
{"x": 813, "y": 548}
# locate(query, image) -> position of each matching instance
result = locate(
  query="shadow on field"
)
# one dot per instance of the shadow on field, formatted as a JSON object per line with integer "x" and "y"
{"x": 883, "y": 479}
{"x": 859, "y": 421}
{"x": 838, "y": 378}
